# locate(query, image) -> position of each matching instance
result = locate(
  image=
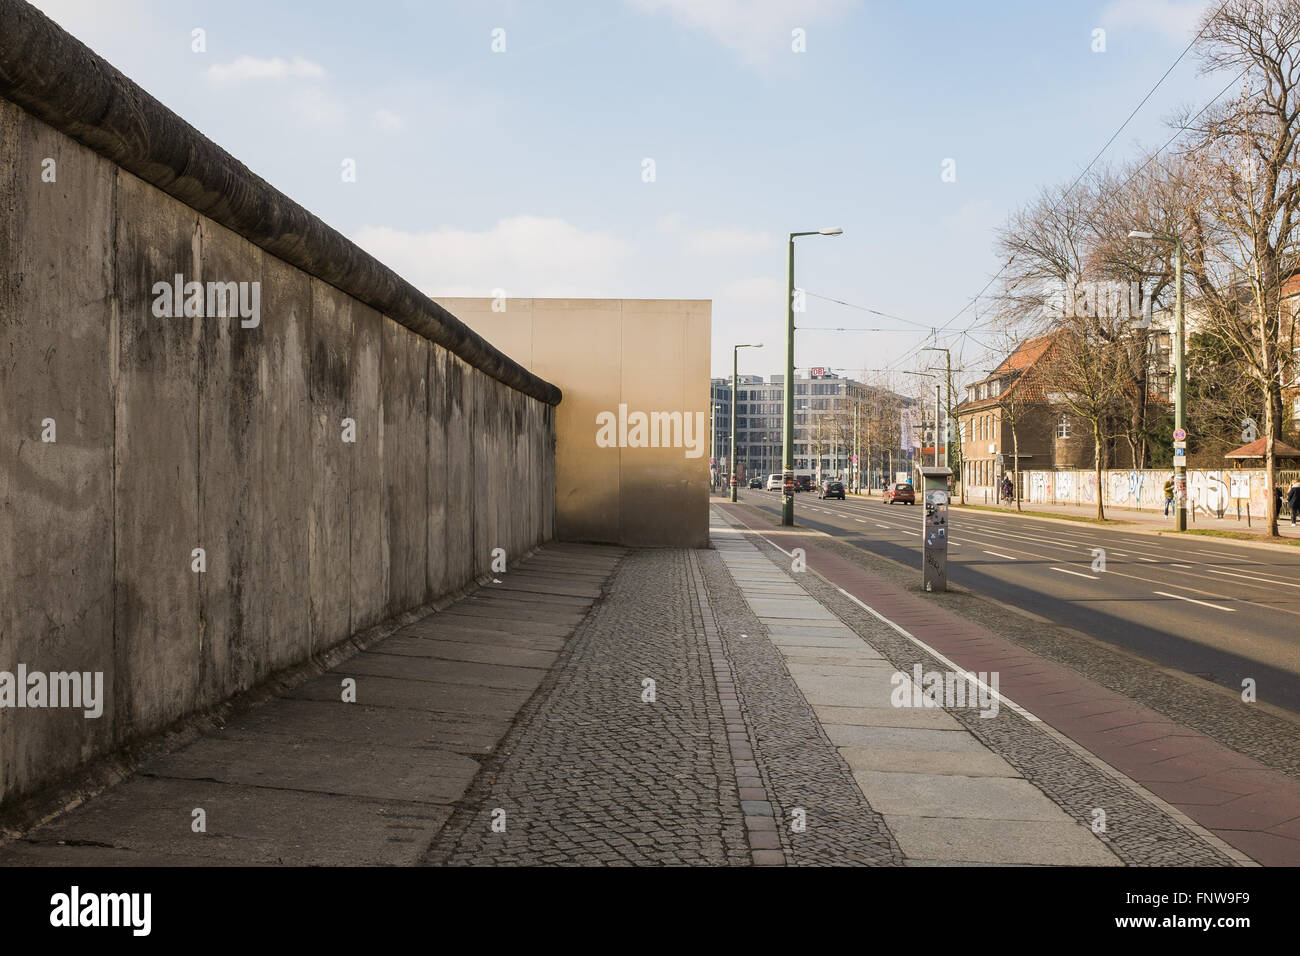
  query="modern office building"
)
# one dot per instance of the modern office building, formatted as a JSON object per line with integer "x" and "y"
{"x": 824, "y": 415}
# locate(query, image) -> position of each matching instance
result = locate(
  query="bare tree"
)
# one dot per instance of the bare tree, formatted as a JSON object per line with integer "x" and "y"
{"x": 1243, "y": 215}
{"x": 1080, "y": 371}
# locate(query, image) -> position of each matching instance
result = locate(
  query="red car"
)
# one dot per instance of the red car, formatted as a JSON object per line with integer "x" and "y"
{"x": 900, "y": 492}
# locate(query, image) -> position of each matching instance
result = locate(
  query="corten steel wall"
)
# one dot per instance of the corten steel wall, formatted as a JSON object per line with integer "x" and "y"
{"x": 175, "y": 434}
{"x": 650, "y": 354}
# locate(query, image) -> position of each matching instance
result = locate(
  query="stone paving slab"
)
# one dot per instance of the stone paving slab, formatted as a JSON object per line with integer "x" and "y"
{"x": 414, "y": 694}
{"x": 886, "y": 717}
{"x": 461, "y": 632}
{"x": 309, "y": 779}
{"x": 246, "y": 824}
{"x": 462, "y": 650}
{"x": 416, "y": 775}
{"x": 950, "y": 795}
{"x": 954, "y": 740}
{"x": 395, "y": 726}
{"x": 441, "y": 670}
{"x": 983, "y": 841}
{"x": 900, "y": 760}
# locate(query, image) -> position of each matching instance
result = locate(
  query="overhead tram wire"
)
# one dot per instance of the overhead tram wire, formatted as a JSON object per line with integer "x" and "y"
{"x": 1103, "y": 149}
{"x": 935, "y": 331}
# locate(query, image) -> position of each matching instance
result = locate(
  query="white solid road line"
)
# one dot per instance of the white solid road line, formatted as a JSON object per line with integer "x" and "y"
{"x": 969, "y": 675}
{"x": 1253, "y": 577}
{"x": 1077, "y": 574}
{"x": 1007, "y": 556}
{"x": 1217, "y": 607}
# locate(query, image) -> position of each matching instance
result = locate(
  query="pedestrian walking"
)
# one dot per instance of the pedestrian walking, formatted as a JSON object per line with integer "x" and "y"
{"x": 1277, "y": 500}
{"x": 1169, "y": 495}
{"x": 1293, "y": 500}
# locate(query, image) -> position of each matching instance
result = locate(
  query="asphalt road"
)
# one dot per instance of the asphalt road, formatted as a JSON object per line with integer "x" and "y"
{"x": 1221, "y": 611}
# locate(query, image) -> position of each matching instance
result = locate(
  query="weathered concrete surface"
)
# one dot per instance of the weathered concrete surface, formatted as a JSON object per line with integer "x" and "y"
{"x": 57, "y": 333}
{"x": 183, "y": 433}
{"x": 309, "y": 778}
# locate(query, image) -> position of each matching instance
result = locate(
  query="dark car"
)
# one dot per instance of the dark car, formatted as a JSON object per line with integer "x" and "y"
{"x": 803, "y": 483}
{"x": 900, "y": 492}
{"x": 832, "y": 489}
{"x": 756, "y": 482}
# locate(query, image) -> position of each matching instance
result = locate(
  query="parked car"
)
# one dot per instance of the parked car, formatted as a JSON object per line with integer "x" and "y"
{"x": 756, "y": 482}
{"x": 900, "y": 492}
{"x": 774, "y": 482}
{"x": 832, "y": 489}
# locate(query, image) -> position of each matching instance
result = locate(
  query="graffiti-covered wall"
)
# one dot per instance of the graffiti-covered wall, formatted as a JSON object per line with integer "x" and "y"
{"x": 1218, "y": 493}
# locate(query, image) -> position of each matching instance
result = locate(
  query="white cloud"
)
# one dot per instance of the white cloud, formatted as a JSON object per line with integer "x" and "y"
{"x": 387, "y": 120}
{"x": 245, "y": 68}
{"x": 313, "y": 107}
{"x": 727, "y": 241}
{"x": 528, "y": 256}
{"x": 755, "y": 30}
{"x": 1177, "y": 20}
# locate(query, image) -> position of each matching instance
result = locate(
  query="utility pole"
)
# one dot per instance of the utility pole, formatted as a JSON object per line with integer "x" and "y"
{"x": 857, "y": 460}
{"x": 1180, "y": 377}
{"x": 947, "y": 418}
{"x": 869, "y": 465}
{"x": 1180, "y": 398}
{"x": 936, "y": 426}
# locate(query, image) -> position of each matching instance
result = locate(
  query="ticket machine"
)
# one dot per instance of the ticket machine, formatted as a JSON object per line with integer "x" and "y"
{"x": 934, "y": 532}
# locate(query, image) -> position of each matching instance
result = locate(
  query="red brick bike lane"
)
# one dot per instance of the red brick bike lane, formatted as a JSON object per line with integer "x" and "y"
{"x": 1246, "y": 804}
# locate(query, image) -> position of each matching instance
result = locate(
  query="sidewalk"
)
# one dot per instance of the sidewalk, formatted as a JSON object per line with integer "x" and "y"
{"x": 308, "y": 779}
{"x": 944, "y": 796}
{"x": 599, "y": 706}
{"x": 1186, "y": 784}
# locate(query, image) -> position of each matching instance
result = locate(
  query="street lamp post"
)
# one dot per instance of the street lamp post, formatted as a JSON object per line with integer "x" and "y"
{"x": 947, "y": 417}
{"x": 1180, "y": 377}
{"x": 735, "y": 352}
{"x": 787, "y": 423}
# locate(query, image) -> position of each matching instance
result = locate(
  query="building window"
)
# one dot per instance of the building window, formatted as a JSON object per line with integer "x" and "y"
{"x": 1063, "y": 427}
{"x": 995, "y": 387}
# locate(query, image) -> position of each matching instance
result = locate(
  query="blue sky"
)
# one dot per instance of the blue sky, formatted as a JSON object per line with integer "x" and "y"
{"x": 522, "y": 170}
